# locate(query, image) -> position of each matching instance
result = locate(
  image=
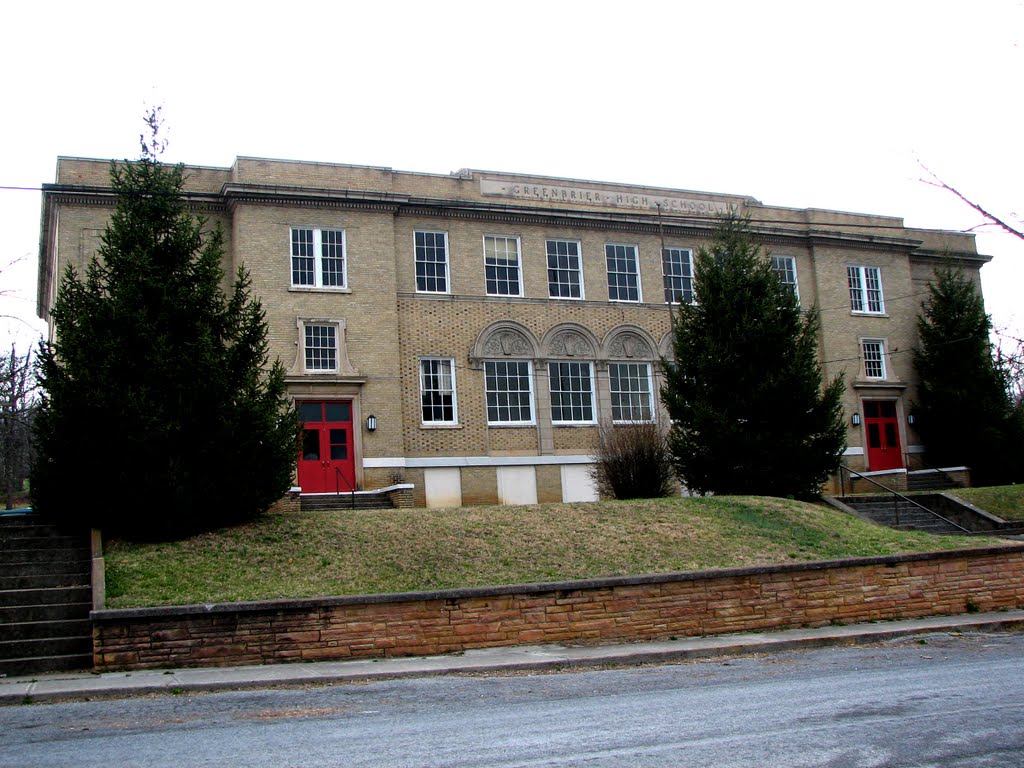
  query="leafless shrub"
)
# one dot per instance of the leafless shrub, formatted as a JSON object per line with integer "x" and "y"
{"x": 633, "y": 462}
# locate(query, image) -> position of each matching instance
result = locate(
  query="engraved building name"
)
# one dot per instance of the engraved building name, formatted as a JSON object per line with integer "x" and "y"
{"x": 585, "y": 195}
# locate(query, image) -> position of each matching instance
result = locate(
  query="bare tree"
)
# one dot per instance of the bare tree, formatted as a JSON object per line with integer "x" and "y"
{"x": 17, "y": 403}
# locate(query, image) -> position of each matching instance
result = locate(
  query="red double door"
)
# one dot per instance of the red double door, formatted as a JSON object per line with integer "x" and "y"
{"x": 326, "y": 456}
{"x": 883, "y": 435}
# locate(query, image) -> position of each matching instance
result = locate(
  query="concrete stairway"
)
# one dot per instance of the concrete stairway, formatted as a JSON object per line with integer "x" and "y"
{"x": 930, "y": 480}
{"x": 45, "y": 597}
{"x": 883, "y": 511}
{"x": 361, "y": 500}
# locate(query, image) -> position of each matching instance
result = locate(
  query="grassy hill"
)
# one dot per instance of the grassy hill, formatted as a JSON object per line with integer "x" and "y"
{"x": 362, "y": 552}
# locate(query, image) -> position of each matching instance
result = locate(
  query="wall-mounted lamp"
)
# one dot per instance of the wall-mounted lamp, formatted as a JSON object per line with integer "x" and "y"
{"x": 371, "y": 423}
{"x": 910, "y": 418}
{"x": 855, "y": 419}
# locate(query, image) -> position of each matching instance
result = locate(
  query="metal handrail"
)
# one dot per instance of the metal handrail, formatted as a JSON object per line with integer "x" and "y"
{"x": 897, "y": 496}
{"x": 337, "y": 489}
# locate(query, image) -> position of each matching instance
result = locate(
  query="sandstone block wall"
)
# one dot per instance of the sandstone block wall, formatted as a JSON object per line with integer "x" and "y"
{"x": 593, "y": 611}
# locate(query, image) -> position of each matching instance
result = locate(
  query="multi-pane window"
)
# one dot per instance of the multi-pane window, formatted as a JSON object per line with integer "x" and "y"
{"x": 865, "y": 289}
{"x": 785, "y": 268}
{"x": 630, "y": 385}
{"x": 623, "y": 272}
{"x": 677, "y": 272}
{"x": 509, "y": 390}
{"x": 572, "y": 392}
{"x": 321, "y": 347}
{"x": 437, "y": 391}
{"x": 873, "y": 352}
{"x": 318, "y": 257}
{"x": 501, "y": 265}
{"x": 431, "y": 262}
{"x": 565, "y": 271}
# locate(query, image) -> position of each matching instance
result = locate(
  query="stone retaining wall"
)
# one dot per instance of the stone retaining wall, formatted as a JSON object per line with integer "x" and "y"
{"x": 592, "y": 611}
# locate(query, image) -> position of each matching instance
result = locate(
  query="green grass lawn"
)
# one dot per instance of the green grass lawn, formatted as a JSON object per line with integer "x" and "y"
{"x": 1005, "y": 501}
{"x": 360, "y": 552}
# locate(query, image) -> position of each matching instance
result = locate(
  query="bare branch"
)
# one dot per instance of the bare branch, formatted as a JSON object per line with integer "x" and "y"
{"x": 935, "y": 181}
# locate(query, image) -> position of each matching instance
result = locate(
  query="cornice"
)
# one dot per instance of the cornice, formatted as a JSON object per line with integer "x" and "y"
{"x": 975, "y": 259}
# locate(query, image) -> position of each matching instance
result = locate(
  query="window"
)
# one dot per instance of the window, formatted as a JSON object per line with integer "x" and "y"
{"x": 630, "y": 385}
{"x": 565, "y": 272}
{"x": 321, "y": 348}
{"x": 509, "y": 389}
{"x": 873, "y": 352}
{"x": 501, "y": 265}
{"x": 865, "y": 289}
{"x": 431, "y": 262}
{"x": 677, "y": 272}
{"x": 437, "y": 391}
{"x": 623, "y": 272}
{"x": 785, "y": 268}
{"x": 318, "y": 258}
{"x": 572, "y": 393}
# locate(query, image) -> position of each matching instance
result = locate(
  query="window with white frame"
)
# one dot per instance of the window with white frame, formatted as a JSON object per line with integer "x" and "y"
{"x": 572, "y": 392}
{"x": 508, "y": 385}
{"x": 565, "y": 270}
{"x": 873, "y": 353}
{"x": 865, "y": 289}
{"x": 785, "y": 268}
{"x": 318, "y": 258}
{"x": 631, "y": 396}
{"x": 623, "y": 272}
{"x": 501, "y": 266}
{"x": 677, "y": 273}
{"x": 437, "y": 391}
{"x": 320, "y": 347}
{"x": 431, "y": 261}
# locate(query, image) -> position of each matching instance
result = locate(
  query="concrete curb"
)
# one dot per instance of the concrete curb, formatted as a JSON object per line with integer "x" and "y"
{"x": 84, "y": 686}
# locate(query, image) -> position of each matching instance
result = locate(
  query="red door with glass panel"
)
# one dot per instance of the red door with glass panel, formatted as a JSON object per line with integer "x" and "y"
{"x": 326, "y": 461}
{"x": 883, "y": 435}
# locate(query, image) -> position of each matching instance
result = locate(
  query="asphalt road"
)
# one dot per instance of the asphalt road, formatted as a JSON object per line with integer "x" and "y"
{"x": 950, "y": 701}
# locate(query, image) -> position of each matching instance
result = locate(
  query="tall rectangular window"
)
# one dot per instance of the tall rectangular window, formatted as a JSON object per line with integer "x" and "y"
{"x": 865, "y": 289}
{"x": 785, "y": 268}
{"x": 630, "y": 386}
{"x": 508, "y": 387}
{"x": 431, "y": 262}
{"x": 572, "y": 393}
{"x": 321, "y": 347}
{"x": 437, "y": 391}
{"x": 677, "y": 273}
{"x": 501, "y": 265}
{"x": 623, "y": 272}
{"x": 318, "y": 258}
{"x": 873, "y": 351}
{"x": 565, "y": 270}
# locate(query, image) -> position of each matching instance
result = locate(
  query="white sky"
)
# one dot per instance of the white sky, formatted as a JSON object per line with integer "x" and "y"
{"x": 802, "y": 104}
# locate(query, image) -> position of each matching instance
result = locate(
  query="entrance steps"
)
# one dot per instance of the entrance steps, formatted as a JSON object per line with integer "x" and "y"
{"x": 899, "y": 514}
{"x": 45, "y": 597}
{"x": 357, "y": 500}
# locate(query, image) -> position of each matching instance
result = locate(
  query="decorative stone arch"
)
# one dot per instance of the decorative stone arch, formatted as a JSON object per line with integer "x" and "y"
{"x": 630, "y": 342}
{"x": 567, "y": 340}
{"x": 665, "y": 347}
{"x": 504, "y": 338}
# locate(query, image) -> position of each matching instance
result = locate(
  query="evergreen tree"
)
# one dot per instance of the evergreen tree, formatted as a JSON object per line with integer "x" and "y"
{"x": 965, "y": 413}
{"x": 159, "y": 415}
{"x": 749, "y": 413}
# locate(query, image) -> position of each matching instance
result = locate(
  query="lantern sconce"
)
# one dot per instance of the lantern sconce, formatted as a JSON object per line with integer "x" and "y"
{"x": 855, "y": 419}
{"x": 910, "y": 419}
{"x": 371, "y": 423}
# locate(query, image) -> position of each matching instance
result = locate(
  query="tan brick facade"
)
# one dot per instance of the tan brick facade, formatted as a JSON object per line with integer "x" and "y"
{"x": 386, "y": 325}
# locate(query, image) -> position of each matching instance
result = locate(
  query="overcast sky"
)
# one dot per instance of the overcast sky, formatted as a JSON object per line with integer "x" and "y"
{"x": 801, "y": 104}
